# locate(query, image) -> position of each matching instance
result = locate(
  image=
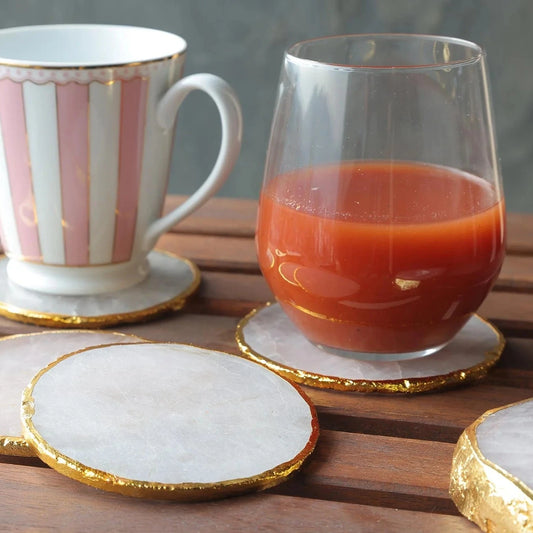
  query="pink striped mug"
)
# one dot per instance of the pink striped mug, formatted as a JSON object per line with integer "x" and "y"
{"x": 87, "y": 116}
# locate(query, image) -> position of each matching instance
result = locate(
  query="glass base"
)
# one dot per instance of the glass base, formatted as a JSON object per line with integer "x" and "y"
{"x": 376, "y": 356}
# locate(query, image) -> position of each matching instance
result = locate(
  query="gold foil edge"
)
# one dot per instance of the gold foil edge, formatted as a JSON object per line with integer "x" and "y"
{"x": 186, "y": 492}
{"x": 404, "y": 385}
{"x": 41, "y": 318}
{"x": 16, "y": 446}
{"x": 484, "y": 492}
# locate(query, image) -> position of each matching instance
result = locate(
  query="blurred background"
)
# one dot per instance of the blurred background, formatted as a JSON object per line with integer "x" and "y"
{"x": 243, "y": 41}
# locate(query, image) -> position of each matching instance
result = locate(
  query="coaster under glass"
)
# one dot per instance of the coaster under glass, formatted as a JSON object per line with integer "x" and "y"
{"x": 492, "y": 471}
{"x": 21, "y": 357}
{"x": 168, "y": 421}
{"x": 267, "y": 336}
{"x": 171, "y": 281}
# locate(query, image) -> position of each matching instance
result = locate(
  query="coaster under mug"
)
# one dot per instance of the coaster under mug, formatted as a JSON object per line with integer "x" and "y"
{"x": 171, "y": 281}
{"x": 267, "y": 336}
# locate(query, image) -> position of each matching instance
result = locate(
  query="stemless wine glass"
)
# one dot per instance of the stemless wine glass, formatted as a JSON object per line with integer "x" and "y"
{"x": 381, "y": 219}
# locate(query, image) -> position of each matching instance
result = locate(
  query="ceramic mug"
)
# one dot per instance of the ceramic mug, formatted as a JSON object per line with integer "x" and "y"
{"x": 87, "y": 116}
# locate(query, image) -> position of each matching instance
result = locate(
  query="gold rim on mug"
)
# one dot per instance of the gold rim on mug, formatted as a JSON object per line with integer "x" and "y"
{"x": 132, "y": 64}
{"x": 404, "y": 385}
{"x": 41, "y": 318}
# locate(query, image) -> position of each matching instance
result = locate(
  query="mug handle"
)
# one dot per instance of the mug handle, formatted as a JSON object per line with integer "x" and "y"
{"x": 230, "y": 145}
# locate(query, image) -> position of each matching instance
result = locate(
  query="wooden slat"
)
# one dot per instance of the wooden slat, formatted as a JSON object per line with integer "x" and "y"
{"x": 516, "y": 274}
{"x": 213, "y": 252}
{"x": 209, "y": 331}
{"x": 231, "y": 286}
{"x": 365, "y": 472}
{"x": 35, "y": 499}
{"x": 381, "y": 471}
{"x": 520, "y": 233}
{"x": 440, "y": 416}
{"x": 219, "y": 216}
{"x": 511, "y": 312}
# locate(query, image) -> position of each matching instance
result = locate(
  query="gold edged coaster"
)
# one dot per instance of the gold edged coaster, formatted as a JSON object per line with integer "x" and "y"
{"x": 267, "y": 336}
{"x": 491, "y": 481}
{"x": 21, "y": 357}
{"x": 168, "y": 421}
{"x": 171, "y": 281}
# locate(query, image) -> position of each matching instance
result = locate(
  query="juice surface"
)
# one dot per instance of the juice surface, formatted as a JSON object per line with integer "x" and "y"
{"x": 380, "y": 256}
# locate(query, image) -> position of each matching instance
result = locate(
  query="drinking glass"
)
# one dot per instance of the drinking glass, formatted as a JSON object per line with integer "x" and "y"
{"x": 381, "y": 219}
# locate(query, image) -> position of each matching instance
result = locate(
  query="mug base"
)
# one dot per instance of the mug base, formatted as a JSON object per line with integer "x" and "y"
{"x": 371, "y": 356}
{"x": 76, "y": 281}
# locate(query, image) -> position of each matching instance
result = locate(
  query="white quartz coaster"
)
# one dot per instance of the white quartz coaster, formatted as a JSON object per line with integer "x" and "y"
{"x": 168, "y": 421}
{"x": 268, "y": 336}
{"x": 492, "y": 473}
{"x": 21, "y": 357}
{"x": 170, "y": 281}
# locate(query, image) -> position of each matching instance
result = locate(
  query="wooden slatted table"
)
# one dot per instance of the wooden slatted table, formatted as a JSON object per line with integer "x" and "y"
{"x": 382, "y": 462}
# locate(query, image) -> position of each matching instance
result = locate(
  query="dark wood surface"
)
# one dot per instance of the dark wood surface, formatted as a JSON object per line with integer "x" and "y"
{"x": 382, "y": 462}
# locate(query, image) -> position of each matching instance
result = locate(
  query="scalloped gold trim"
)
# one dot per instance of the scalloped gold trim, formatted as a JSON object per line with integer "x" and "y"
{"x": 147, "y": 489}
{"x": 40, "y": 318}
{"x": 411, "y": 385}
{"x": 17, "y": 445}
{"x": 484, "y": 492}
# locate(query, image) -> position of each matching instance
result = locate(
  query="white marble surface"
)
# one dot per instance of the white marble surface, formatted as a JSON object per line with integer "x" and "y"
{"x": 22, "y": 356}
{"x": 272, "y": 335}
{"x": 505, "y": 438}
{"x": 170, "y": 413}
{"x": 169, "y": 277}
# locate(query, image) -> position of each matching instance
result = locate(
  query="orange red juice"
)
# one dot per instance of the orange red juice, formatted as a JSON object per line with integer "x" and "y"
{"x": 383, "y": 257}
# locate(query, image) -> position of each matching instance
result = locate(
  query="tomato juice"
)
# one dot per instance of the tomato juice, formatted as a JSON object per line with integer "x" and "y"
{"x": 381, "y": 257}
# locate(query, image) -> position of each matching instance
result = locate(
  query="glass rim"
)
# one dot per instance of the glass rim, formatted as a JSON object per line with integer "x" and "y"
{"x": 290, "y": 53}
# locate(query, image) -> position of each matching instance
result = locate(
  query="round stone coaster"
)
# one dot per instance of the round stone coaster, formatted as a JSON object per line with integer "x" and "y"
{"x": 21, "y": 357}
{"x": 267, "y": 336}
{"x": 492, "y": 471}
{"x": 167, "y": 421}
{"x": 170, "y": 282}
